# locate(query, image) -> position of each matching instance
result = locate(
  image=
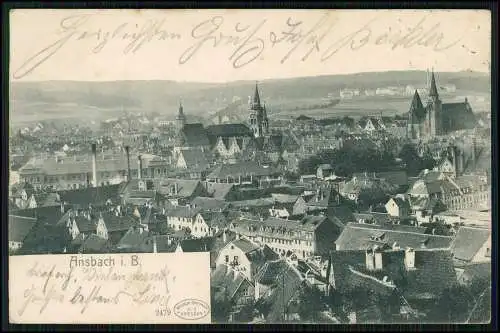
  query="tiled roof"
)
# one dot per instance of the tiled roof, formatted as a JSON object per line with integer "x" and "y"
{"x": 215, "y": 219}
{"x": 134, "y": 238}
{"x": 457, "y": 116}
{"x": 94, "y": 244}
{"x": 288, "y": 282}
{"x": 430, "y": 176}
{"x": 185, "y": 187}
{"x": 91, "y": 195}
{"x": 219, "y": 190}
{"x": 325, "y": 167}
{"x": 284, "y": 198}
{"x": 195, "y": 158}
{"x": 399, "y": 178}
{"x": 184, "y": 211}
{"x": 46, "y": 199}
{"x": 52, "y": 167}
{"x": 85, "y": 225}
{"x": 47, "y": 215}
{"x": 478, "y": 271}
{"x": 226, "y": 282}
{"x": 268, "y": 273}
{"x": 204, "y": 244}
{"x": 19, "y": 227}
{"x": 360, "y": 237}
{"x": 434, "y": 272}
{"x": 424, "y": 203}
{"x": 164, "y": 244}
{"x": 244, "y": 169}
{"x": 118, "y": 223}
{"x": 278, "y": 227}
{"x": 245, "y": 245}
{"x": 207, "y": 203}
{"x": 326, "y": 197}
{"x": 468, "y": 241}
{"x": 228, "y": 130}
{"x": 193, "y": 135}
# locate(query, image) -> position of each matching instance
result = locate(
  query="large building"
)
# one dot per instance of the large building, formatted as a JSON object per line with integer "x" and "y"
{"x": 82, "y": 172}
{"x": 259, "y": 123}
{"x": 229, "y": 141}
{"x": 437, "y": 118}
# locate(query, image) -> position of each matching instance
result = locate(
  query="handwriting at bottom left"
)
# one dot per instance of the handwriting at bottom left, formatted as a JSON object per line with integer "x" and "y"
{"x": 34, "y": 295}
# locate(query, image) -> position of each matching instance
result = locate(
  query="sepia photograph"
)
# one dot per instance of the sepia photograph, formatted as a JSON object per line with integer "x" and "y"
{"x": 232, "y": 166}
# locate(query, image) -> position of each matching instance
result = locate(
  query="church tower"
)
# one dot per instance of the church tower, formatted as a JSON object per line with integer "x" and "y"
{"x": 259, "y": 123}
{"x": 180, "y": 120}
{"x": 434, "y": 109}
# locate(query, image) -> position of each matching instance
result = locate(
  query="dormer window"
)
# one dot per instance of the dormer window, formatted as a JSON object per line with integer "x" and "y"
{"x": 142, "y": 185}
{"x": 378, "y": 237}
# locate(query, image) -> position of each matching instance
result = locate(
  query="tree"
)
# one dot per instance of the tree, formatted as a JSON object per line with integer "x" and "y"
{"x": 221, "y": 306}
{"x": 412, "y": 160}
{"x": 453, "y": 306}
{"x": 310, "y": 303}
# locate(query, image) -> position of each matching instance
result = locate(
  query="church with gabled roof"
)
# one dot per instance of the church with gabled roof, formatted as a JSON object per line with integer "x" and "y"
{"x": 437, "y": 118}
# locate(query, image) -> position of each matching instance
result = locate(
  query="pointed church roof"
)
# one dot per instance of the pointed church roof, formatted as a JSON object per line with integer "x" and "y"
{"x": 417, "y": 110}
{"x": 256, "y": 97}
{"x": 181, "y": 115}
{"x": 433, "y": 89}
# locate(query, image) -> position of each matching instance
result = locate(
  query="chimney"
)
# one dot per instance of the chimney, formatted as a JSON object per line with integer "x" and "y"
{"x": 155, "y": 245}
{"x": 459, "y": 158}
{"x": 127, "y": 151}
{"x": 94, "y": 165}
{"x": 224, "y": 236}
{"x": 370, "y": 262}
{"x": 378, "y": 258}
{"x": 176, "y": 188}
{"x": 62, "y": 207}
{"x": 409, "y": 258}
{"x": 473, "y": 153}
{"x": 139, "y": 167}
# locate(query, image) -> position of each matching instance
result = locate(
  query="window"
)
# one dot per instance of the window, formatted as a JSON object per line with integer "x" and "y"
{"x": 236, "y": 260}
{"x": 226, "y": 259}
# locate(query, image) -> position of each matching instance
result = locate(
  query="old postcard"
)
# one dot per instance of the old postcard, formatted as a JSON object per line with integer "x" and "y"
{"x": 250, "y": 166}
{"x": 110, "y": 288}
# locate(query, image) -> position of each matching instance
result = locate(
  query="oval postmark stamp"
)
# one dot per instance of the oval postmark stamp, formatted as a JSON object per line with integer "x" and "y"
{"x": 191, "y": 309}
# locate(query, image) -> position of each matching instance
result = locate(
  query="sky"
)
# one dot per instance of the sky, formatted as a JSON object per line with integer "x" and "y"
{"x": 230, "y": 45}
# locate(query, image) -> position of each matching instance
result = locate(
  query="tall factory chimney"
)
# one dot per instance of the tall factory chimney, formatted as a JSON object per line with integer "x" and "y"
{"x": 94, "y": 165}
{"x": 474, "y": 153}
{"x": 459, "y": 159}
{"x": 127, "y": 151}
{"x": 139, "y": 167}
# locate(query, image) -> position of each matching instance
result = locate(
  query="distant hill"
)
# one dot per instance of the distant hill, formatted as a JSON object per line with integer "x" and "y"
{"x": 100, "y": 100}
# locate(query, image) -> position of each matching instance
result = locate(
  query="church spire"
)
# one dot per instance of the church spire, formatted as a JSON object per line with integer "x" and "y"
{"x": 181, "y": 117}
{"x": 416, "y": 103}
{"x": 256, "y": 97}
{"x": 181, "y": 108}
{"x": 433, "y": 89}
